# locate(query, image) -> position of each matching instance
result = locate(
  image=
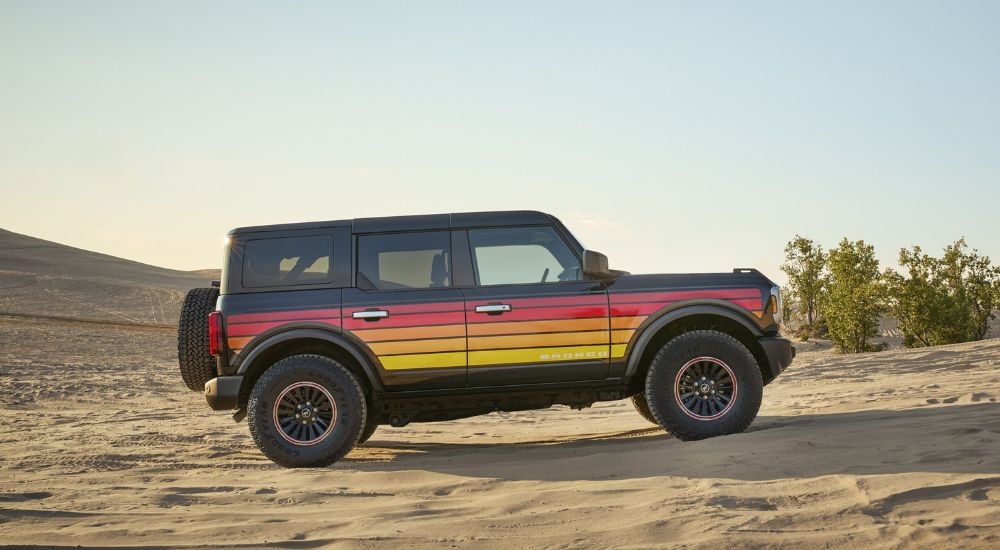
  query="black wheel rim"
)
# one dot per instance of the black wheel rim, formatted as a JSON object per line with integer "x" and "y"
{"x": 705, "y": 388}
{"x": 305, "y": 413}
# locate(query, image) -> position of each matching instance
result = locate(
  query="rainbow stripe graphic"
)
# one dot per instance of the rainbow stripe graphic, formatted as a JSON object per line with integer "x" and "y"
{"x": 453, "y": 335}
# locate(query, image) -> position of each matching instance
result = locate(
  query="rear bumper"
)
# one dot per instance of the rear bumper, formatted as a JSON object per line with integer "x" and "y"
{"x": 779, "y": 352}
{"x": 223, "y": 393}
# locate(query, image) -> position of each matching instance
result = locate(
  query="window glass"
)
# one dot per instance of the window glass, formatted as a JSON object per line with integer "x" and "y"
{"x": 287, "y": 261}
{"x": 522, "y": 255}
{"x": 404, "y": 260}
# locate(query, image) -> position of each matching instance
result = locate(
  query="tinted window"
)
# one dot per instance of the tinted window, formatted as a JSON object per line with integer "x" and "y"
{"x": 287, "y": 261}
{"x": 522, "y": 255}
{"x": 404, "y": 260}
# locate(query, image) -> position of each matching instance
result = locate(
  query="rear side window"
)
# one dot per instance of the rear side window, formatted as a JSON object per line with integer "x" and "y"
{"x": 287, "y": 261}
{"x": 404, "y": 260}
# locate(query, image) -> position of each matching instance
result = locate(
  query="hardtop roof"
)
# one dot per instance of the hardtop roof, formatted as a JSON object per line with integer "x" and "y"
{"x": 415, "y": 222}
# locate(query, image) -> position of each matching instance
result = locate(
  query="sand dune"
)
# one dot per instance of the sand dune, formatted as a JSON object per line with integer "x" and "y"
{"x": 102, "y": 447}
{"x": 40, "y": 277}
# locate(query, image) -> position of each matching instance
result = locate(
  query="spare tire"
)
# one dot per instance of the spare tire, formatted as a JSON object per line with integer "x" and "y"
{"x": 197, "y": 365}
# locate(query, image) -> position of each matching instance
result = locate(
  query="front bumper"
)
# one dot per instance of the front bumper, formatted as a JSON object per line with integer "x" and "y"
{"x": 223, "y": 393}
{"x": 779, "y": 352}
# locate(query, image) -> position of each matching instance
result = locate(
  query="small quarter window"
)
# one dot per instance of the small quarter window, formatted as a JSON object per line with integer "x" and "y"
{"x": 404, "y": 260}
{"x": 287, "y": 261}
{"x": 522, "y": 255}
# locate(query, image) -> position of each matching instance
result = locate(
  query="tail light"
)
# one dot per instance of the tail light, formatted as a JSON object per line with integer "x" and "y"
{"x": 214, "y": 333}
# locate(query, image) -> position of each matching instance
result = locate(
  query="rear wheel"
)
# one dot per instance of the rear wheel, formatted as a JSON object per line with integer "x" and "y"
{"x": 640, "y": 404}
{"x": 306, "y": 411}
{"x": 197, "y": 365}
{"x": 703, "y": 384}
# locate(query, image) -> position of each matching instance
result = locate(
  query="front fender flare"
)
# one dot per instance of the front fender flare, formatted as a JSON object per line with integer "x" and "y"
{"x": 676, "y": 312}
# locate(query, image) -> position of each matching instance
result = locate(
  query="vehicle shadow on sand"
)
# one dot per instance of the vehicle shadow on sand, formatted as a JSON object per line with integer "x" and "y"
{"x": 946, "y": 439}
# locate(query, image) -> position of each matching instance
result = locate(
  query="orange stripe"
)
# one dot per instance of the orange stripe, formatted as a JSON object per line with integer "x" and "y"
{"x": 627, "y": 322}
{"x": 539, "y": 340}
{"x": 530, "y": 327}
{"x": 238, "y": 343}
{"x": 411, "y": 333}
{"x": 621, "y": 336}
{"x": 419, "y": 346}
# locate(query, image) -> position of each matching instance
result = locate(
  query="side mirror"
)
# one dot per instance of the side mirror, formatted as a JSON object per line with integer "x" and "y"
{"x": 595, "y": 265}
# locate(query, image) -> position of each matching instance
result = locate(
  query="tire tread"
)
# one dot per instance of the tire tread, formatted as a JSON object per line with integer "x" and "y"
{"x": 277, "y": 370}
{"x": 676, "y": 429}
{"x": 196, "y": 365}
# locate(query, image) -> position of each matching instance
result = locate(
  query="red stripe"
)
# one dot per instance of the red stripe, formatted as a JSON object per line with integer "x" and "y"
{"x": 627, "y": 310}
{"x": 294, "y": 315}
{"x": 674, "y": 296}
{"x": 405, "y": 309}
{"x": 415, "y": 320}
{"x": 538, "y": 314}
{"x": 541, "y": 302}
{"x": 253, "y": 329}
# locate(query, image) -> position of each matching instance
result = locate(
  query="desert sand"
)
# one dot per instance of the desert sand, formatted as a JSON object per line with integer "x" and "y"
{"x": 101, "y": 445}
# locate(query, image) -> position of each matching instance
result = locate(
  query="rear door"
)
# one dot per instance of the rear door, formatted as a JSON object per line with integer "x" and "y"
{"x": 531, "y": 318}
{"x": 405, "y": 310}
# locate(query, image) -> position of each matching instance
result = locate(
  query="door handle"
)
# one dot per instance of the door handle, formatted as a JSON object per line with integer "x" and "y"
{"x": 493, "y": 309}
{"x": 371, "y": 314}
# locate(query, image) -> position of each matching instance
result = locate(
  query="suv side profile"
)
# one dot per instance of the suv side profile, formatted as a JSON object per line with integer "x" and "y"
{"x": 319, "y": 333}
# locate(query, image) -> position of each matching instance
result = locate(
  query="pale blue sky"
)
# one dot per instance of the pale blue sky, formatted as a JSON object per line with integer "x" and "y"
{"x": 673, "y": 136}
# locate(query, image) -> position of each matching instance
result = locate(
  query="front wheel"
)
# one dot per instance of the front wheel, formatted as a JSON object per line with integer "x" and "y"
{"x": 306, "y": 411}
{"x": 642, "y": 407}
{"x": 703, "y": 384}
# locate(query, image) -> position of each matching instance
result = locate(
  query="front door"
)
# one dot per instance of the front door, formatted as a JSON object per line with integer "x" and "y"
{"x": 531, "y": 319}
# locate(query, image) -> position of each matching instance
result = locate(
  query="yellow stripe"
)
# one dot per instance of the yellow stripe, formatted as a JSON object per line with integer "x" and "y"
{"x": 537, "y": 355}
{"x": 618, "y": 350}
{"x": 424, "y": 361}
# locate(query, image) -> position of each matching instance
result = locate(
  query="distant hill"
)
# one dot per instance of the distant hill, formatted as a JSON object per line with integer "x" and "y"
{"x": 43, "y": 278}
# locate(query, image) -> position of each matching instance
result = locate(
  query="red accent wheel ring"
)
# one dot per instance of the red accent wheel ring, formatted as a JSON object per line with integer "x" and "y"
{"x": 705, "y": 388}
{"x": 304, "y": 413}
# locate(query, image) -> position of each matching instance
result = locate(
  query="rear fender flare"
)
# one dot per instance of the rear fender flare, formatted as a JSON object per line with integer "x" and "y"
{"x": 676, "y": 312}
{"x": 267, "y": 342}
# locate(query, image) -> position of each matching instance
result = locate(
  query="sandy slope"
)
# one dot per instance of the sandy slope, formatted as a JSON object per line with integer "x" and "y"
{"x": 100, "y": 446}
{"x": 39, "y": 277}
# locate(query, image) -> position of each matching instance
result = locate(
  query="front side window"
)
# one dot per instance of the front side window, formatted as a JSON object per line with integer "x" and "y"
{"x": 522, "y": 255}
{"x": 287, "y": 261}
{"x": 404, "y": 260}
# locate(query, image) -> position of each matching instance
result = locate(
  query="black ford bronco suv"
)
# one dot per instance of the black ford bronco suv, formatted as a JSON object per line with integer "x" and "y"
{"x": 320, "y": 332}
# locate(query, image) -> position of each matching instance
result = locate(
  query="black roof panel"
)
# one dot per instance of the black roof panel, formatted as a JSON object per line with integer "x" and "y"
{"x": 416, "y": 223}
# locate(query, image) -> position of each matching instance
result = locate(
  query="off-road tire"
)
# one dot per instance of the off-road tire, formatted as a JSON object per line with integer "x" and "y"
{"x": 328, "y": 377}
{"x": 197, "y": 366}
{"x": 640, "y": 404}
{"x": 370, "y": 426}
{"x": 712, "y": 351}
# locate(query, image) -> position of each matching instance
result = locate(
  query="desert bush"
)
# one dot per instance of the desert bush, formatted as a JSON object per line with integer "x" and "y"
{"x": 789, "y": 313}
{"x": 943, "y": 300}
{"x": 854, "y": 297}
{"x": 805, "y": 266}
